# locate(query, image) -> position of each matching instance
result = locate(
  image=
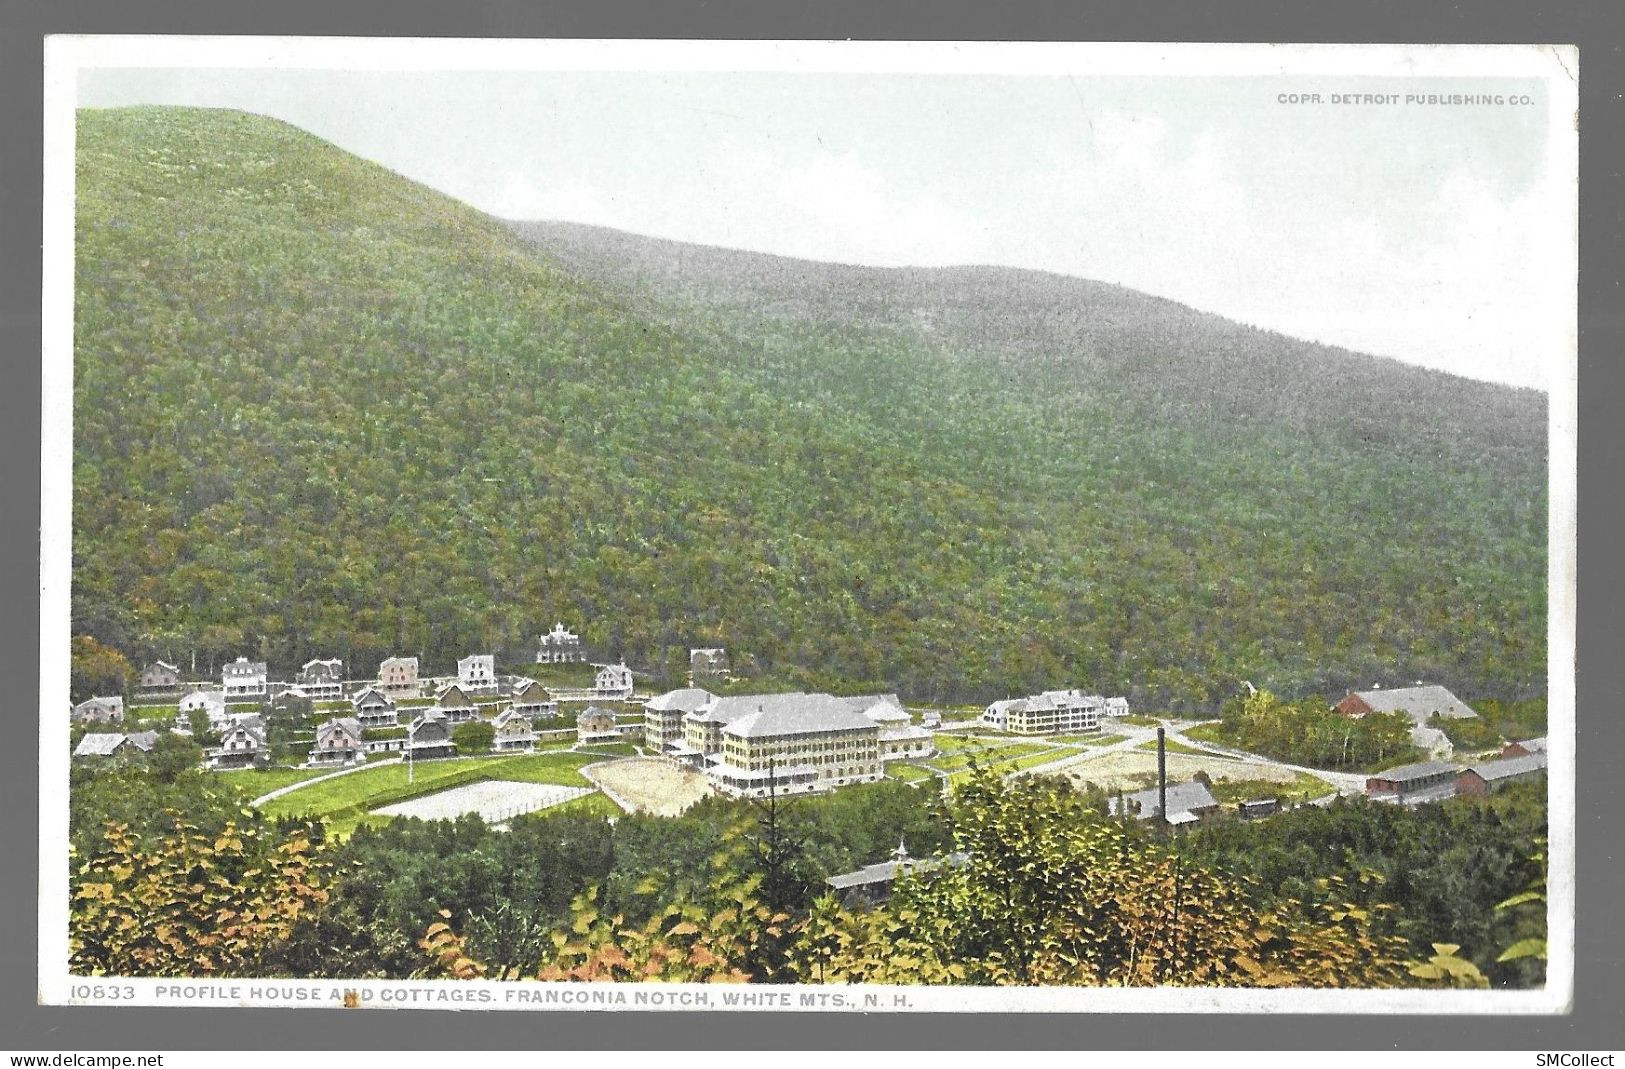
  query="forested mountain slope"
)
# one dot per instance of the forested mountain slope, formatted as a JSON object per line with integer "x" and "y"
{"x": 324, "y": 411}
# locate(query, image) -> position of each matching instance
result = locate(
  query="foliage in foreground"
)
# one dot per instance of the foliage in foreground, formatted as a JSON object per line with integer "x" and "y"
{"x": 1440, "y": 869}
{"x": 192, "y": 903}
{"x": 1048, "y": 892}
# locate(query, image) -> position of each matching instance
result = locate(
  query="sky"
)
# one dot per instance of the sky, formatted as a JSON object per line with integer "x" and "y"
{"x": 1436, "y": 235}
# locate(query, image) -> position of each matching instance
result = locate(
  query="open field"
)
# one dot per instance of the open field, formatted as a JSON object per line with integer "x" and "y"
{"x": 1172, "y": 745}
{"x": 494, "y": 800}
{"x": 902, "y": 770}
{"x": 994, "y": 754}
{"x": 1083, "y": 740}
{"x": 1301, "y": 789}
{"x": 610, "y": 749}
{"x": 953, "y": 743}
{"x": 650, "y": 785}
{"x": 596, "y": 804}
{"x": 360, "y": 789}
{"x": 260, "y": 781}
{"x": 1132, "y": 769}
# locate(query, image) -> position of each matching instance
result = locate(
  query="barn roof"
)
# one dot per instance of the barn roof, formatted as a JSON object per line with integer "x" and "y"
{"x": 1507, "y": 767}
{"x": 143, "y": 740}
{"x": 1418, "y": 702}
{"x": 1419, "y": 770}
{"x": 98, "y": 744}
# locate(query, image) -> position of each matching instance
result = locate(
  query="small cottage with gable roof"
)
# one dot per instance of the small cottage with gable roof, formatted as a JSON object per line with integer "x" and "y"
{"x": 613, "y": 681}
{"x": 596, "y": 725}
{"x": 429, "y": 737}
{"x": 322, "y": 680}
{"x": 455, "y": 704}
{"x": 242, "y": 745}
{"x": 339, "y": 742}
{"x": 374, "y": 709}
{"x": 398, "y": 677}
{"x": 1524, "y": 748}
{"x": 533, "y": 700}
{"x": 478, "y": 673}
{"x": 244, "y": 678}
{"x": 108, "y": 710}
{"x": 514, "y": 733}
{"x": 160, "y": 675}
{"x": 103, "y": 744}
{"x": 1487, "y": 777}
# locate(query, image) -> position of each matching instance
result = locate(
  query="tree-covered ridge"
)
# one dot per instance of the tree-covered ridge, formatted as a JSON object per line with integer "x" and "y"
{"x": 324, "y": 411}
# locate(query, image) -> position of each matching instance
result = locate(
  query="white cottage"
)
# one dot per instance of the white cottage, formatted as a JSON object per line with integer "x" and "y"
{"x": 322, "y": 681}
{"x": 244, "y": 679}
{"x": 478, "y": 673}
{"x": 613, "y": 681}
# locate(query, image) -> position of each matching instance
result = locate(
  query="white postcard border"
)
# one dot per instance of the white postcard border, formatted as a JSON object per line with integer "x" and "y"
{"x": 67, "y": 56}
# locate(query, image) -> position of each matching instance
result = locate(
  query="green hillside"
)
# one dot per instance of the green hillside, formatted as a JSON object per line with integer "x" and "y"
{"x": 323, "y": 411}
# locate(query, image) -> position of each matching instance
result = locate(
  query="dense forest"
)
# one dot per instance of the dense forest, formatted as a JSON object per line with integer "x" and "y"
{"x": 321, "y": 410}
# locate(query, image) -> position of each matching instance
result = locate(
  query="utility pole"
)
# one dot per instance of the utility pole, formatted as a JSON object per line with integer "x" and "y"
{"x": 1162, "y": 780}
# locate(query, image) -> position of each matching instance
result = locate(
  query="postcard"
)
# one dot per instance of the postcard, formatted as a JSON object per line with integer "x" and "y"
{"x": 800, "y": 526}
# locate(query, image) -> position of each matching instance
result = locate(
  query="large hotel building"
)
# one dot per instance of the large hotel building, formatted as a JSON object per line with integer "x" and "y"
{"x": 791, "y": 743}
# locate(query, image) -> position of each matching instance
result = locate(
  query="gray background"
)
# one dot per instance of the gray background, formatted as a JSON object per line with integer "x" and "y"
{"x": 1595, "y": 26}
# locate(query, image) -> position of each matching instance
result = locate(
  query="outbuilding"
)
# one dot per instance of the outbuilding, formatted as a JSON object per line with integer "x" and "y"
{"x": 1425, "y": 781}
{"x": 1490, "y": 776}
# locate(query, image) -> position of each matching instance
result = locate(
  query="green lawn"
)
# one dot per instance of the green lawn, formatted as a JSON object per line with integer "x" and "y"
{"x": 1142, "y": 721}
{"x": 595, "y": 804}
{"x": 360, "y": 788}
{"x": 951, "y": 743}
{"x": 611, "y": 749}
{"x": 961, "y": 715}
{"x": 902, "y": 770}
{"x": 1302, "y": 788}
{"x": 1089, "y": 740}
{"x": 147, "y": 719}
{"x": 1034, "y": 760}
{"x": 988, "y": 755}
{"x": 1206, "y": 733}
{"x": 1174, "y": 746}
{"x": 557, "y": 768}
{"x": 257, "y": 781}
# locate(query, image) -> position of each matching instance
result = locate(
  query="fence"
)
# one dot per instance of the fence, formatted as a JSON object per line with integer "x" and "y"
{"x": 503, "y": 814}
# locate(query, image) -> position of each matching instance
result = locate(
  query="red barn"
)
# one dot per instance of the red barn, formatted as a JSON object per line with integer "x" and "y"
{"x": 1419, "y": 703}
